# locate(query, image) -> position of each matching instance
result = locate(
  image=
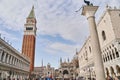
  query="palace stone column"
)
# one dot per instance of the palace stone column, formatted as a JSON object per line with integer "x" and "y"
{"x": 89, "y": 11}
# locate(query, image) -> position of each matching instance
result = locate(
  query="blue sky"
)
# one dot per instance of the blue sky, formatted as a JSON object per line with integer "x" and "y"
{"x": 60, "y": 29}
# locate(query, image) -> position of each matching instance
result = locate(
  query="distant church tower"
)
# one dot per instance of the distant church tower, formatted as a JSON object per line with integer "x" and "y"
{"x": 29, "y": 38}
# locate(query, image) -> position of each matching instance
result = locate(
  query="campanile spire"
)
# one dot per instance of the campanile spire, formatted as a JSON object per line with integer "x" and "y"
{"x": 32, "y": 13}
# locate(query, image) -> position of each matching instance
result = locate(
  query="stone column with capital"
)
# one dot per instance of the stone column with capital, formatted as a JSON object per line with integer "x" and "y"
{"x": 89, "y": 11}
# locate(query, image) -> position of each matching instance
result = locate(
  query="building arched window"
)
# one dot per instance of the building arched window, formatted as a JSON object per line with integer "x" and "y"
{"x": 111, "y": 57}
{"x": 9, "y": 59}
{"x": 103, "y": 35}
{"x": 103, "y": 58}
{"x": 117, "y": 54}
{"x": 108, "y": 57}
{"x": 107, "y": 71}
{"x": 12, "y": 60}
{"x": 60, "y": 71}
{"x": 2, "y": 56}
{"x": 6, "y": 58}
{"x": 118, "y": 68}
{"x": 65, "y": 72}
{"x": 112, "y": 70}
{"x": 90, "y": 49}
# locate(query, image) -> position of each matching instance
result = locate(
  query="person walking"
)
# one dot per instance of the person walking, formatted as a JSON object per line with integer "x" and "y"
{"x": 115, "y": 77}
{"x": 109, "y": 78}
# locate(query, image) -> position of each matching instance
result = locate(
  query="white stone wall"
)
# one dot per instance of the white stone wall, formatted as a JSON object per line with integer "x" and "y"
{"x": 12, "y": 63}
{"x": 115, "y": 19}
{"x": 106, "y": 26}
{"x": 111, "y": 58}
{"x": 86, "y": 60}
{"x": 110, "y": 23}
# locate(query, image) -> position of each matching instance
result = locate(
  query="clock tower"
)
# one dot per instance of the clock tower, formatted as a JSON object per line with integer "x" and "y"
{"x": 29, "y": 38}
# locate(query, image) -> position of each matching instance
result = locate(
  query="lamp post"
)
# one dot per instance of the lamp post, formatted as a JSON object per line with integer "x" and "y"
{"x": 88, "y": 68}
{"x": 10, "y": 72}
{"x": 0, "y": 74}
{"x": 89, "y": 72}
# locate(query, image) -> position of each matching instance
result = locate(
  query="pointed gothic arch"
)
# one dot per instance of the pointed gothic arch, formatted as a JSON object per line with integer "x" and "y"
{"x": 2, "y": 57}
{"x": 107, "y": 72}
{"x": 118, "y": 69}
{"x": 112, "y": 70}
{"x": 65, "y": 72}
{"x": 103, "y": 35}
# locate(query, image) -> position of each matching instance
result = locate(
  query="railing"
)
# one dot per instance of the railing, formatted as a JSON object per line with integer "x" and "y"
{"x": 13, "y": 66}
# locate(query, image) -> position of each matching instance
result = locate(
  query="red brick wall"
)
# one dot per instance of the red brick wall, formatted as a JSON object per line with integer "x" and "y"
{"x": 28, "y": 49}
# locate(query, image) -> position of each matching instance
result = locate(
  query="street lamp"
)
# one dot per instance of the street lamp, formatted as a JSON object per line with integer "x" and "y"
{"x": 88, "y": 67}
{"x": 10, "y": 72}
{"x": 0, "y": 74}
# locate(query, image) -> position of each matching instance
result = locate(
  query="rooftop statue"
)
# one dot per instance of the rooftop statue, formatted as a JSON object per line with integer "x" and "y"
{"x": 88, "y": 3}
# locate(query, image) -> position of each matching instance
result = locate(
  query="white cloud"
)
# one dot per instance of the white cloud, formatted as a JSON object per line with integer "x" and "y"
{"x": 9, "y": 36}
{"x": 13, "y": 13}
{"x": 53, "y": 16}
{"x": 70, "y": 26}
{"x": 114, "y": 3}
{"x": 58, "y": 48}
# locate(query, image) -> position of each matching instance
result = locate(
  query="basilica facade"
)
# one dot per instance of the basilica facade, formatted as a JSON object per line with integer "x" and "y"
{"x": 68, "y": 69}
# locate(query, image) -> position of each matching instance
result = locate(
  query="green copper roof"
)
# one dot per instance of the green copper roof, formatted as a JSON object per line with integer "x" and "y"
{"x": 32, "y": 14}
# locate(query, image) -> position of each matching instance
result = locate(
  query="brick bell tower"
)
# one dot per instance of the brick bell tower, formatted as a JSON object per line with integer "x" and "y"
{"x": 29, "y": 38}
